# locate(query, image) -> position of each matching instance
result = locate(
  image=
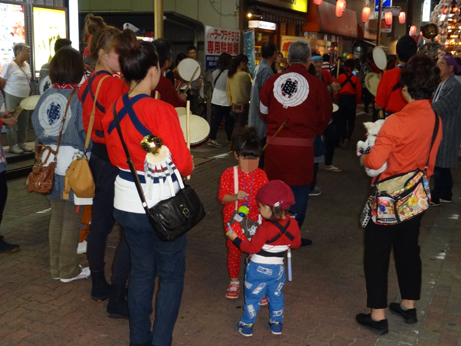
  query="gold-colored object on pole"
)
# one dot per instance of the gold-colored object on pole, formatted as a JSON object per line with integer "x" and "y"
{"x": 151, "y": 144}
{"x": 380, "y": 13}
{"x": 158, "y": 18}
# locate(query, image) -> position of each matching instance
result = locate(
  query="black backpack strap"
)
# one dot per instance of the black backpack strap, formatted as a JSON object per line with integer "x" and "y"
{"x": 348, "y": 80}
{"x": 283, "y": 231}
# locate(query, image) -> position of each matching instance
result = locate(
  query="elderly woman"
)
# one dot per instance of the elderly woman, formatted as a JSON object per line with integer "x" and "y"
{"x": 405, "y": 150}
{"x": 15, "y": 81}
{"x": 447, "y": 104}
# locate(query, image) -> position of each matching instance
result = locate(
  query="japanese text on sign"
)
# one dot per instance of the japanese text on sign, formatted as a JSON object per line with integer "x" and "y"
{"x": 218, "y": 41}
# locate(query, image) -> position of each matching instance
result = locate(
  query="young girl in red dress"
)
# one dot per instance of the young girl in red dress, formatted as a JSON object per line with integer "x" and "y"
{"x": 250, "y": 179}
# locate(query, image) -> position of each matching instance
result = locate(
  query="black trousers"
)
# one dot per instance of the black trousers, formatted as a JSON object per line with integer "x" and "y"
{"x": 330, "y": 142}
{"x": 346, "y": 117}
{"x": 443, "y": 184}
{"x": 3, "y": 193}
{"x": 403, "y": 239}
{"x": 102, "y": 222}
{"x": 220, "y": 113}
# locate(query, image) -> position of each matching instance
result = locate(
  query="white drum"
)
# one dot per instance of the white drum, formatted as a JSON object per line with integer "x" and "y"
{"x": 199, "y": 130}
{"x": 30, "y": 102}
{"x": 380, "y": 58}
{"x": 335, "y": 107}
{"x": 186, "y": 69}
{"x": 371, "y": 82}
{"x": 181, "y": 111}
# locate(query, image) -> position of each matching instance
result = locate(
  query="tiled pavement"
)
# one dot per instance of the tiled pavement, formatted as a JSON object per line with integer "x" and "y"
{"x": 326, "y": 293}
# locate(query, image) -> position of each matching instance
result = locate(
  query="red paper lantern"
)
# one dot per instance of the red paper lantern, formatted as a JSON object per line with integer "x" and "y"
{"x": 402, "y": 17}
{"x": 365, "y": 14}
{"x": 340, "y": 8}
{"x": 318, "y": 2}
{"x": 388, "y": 18}
{"x": 412, "y": 30}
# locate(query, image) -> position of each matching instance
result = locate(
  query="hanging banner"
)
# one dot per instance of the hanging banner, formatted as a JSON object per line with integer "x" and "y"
{"x": 11, "y": 30}
{"x": 218, "y": 41}
{"x": 249, "y": 49}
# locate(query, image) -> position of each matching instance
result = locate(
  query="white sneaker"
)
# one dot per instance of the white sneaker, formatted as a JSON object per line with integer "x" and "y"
{"x": 24, "y": 148}
{"x": 84, "y": 274}
{"x": 213, "y": 143}
{"x": 16, "y": 150}
{"x": 82, "y": 247}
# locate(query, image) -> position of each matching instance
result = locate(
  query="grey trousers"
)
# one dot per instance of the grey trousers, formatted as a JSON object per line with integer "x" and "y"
{"x": 64, "y": 233}
{"x": 11, "y": 103}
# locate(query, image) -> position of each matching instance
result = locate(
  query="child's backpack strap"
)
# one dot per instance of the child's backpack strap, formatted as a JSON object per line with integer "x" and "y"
{"x": 236, "y": 186}
{"x": 283, "y": 231}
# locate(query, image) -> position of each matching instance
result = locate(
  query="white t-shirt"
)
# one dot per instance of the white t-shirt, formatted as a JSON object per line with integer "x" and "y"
{"x": 219, "y": 93}
{"x": 17, "y": 83}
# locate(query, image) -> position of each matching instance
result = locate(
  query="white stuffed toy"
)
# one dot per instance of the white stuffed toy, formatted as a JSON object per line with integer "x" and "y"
{"x": 365, "y": 147}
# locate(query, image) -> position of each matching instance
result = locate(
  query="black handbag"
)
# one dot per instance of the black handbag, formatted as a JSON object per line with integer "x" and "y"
{"x": 173, "y": 217}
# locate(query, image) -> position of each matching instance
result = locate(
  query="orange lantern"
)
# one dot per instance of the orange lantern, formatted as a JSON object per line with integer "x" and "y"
{"x": 402, "y": 17}
{"x": 365, "y": 14}
{"x": 388, "y": 18}
{"x": 318, "y": 2}
{"x": 412, "y": 30}
{"x": 340, "y": 8}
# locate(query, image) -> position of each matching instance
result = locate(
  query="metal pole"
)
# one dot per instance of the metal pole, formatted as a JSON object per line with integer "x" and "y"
{"x": 378, "y": 37}
{"x": 158, "y": 18}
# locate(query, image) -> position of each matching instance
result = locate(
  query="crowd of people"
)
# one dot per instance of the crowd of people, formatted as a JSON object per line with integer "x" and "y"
{"x": 292, "y": 128}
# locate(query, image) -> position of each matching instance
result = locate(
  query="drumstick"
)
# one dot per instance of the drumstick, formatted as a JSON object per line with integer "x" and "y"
{"x": 188, "y": 127}
{"x": 17, "y": 111}
{"x": 157, "y": 95}
{"x": 337, "y": 68}
{"x": 277, "y": 132}
{"x": 193, "y": 76}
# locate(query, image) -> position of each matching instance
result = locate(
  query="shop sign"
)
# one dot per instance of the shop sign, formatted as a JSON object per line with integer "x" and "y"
{"x": 11, "y": 30}
{"x": 218, "y": 41}
{"x": 295, "y": 5}
{"x": 249, "y": 49}
{"x": 386, "y": 3}
{"x": 49, "y": 25}
{"x": 260, "y": 24}
{"x": 384, "y": 27}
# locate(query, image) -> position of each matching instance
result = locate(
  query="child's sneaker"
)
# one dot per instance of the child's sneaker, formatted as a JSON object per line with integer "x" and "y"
{"x": 276, "y": 327}
{"x": 264, "y": 301}
{"x": 233, "y": 290}
{"x": 245, "y": 329}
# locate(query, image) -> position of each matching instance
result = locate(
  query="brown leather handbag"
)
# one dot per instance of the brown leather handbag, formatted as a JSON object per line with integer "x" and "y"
{"x": 41, "y": 179}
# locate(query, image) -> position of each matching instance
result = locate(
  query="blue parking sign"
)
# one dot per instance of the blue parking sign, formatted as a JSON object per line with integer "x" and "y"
{"x": 386, "y": 3}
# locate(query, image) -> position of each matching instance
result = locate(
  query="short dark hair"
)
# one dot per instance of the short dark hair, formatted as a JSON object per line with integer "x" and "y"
{"x": 421, "y": 76}
{"x": 190, "y": 48}
{"x": 235, "y": 63}
{"x": 326, "y": 57}
{"x": 60, "y": 43}
{"x": 136, "y": 57}
{"x": 245, "y": 142}
{"x": 224, "y": 61}
{"x": 66, "y": 67}
{"x": 406, "y": 48}
{"x": 350, "y": 63}
{"x": 312, "y": 70}
{"x": 163, "y": 47}
{"x": 268, "y": 49}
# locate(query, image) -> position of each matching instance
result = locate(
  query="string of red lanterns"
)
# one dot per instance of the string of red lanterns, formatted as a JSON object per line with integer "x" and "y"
{"x": 340, "y": 8}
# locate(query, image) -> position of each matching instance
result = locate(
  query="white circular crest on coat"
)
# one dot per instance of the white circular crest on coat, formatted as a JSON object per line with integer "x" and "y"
{"x": 51, "y": 113}
{"x": 291, "y": 89}
{"x": 45, "y": 84}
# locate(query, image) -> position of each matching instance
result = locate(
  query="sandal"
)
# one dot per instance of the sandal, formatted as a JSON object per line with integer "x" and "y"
{"x": 333, "y": 169}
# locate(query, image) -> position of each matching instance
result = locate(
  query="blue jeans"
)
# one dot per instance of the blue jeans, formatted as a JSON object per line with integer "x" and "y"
{"x": 301, "y": 201}
{"x": 150, "y": 257}
{"x": 263, "y": 280}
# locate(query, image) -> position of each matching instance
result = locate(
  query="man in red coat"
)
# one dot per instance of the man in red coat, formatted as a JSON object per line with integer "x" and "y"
{"x": 164, "y": 87}
{"x": 305, "y": 101}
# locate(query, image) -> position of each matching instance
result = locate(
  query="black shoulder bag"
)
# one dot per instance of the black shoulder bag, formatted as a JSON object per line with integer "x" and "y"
{"x": 173, "y": 217}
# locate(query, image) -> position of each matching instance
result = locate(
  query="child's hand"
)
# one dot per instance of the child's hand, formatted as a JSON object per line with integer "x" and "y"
{"x": 241, "y": 195}
{"x": 231, "y": 235}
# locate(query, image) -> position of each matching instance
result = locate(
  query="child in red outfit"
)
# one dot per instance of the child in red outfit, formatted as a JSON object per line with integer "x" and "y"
{"x": 248, "y": 180}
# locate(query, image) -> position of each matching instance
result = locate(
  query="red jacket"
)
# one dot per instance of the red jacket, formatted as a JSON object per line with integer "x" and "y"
{"x": 168, "y": 93}
{"x": 305, "y": 100}
{"x": 350, "y": 85}
{"x": 389, "y": 95}
{"x": 111, "y": 89}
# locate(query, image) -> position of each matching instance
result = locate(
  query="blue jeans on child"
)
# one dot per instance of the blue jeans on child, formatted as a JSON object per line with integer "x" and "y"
{"x": 263, "y": 280}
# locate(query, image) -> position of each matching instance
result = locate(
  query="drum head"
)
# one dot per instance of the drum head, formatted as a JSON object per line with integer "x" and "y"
{"x": 186, "y": 69}
{"x": 30, "y": 102}
{"x": 335, "y": 107}
{"x": 199, "y": 129}
{"x": 45, "y": 84}
{"x": 380, "y": 58}
{"x": 371, "y": 82}
{"x": 181, "y": 111}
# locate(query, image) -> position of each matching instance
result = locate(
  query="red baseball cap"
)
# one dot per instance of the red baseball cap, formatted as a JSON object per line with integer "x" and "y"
{"x": 276, "y": 193}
